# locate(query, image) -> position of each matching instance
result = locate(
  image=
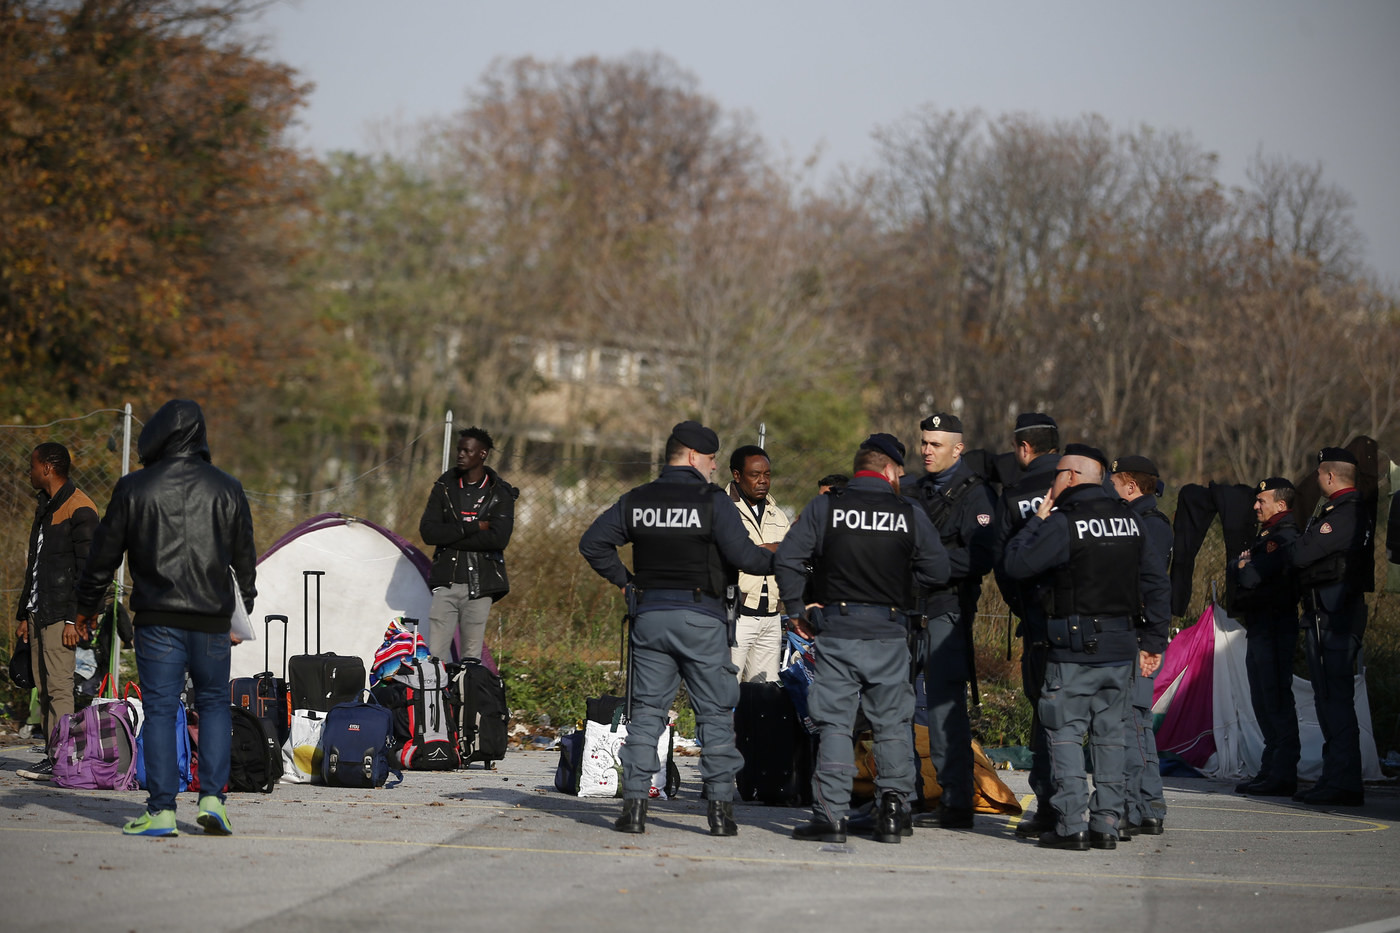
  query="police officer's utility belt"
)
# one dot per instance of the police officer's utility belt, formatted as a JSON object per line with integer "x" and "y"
{"x": 695, "y": 597}
{"x": 867, "y": 610}
{"x": 1081, "y": 633}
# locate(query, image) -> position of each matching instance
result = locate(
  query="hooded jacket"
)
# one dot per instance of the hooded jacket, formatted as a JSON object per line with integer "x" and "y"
{"x": 182, "y": 523}
{"x": 470, "y": 555}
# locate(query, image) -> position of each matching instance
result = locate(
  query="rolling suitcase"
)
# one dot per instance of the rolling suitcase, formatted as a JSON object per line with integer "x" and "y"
{"x": 265, "y": 695}
{"x": 777, "y": 749}
{"x": 320, "y": 681}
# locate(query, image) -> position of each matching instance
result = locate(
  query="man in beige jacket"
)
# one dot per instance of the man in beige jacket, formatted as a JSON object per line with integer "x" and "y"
{"x": 760, "y": 630}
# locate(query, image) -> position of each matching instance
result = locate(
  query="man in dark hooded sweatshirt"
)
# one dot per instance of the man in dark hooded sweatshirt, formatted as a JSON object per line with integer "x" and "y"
{"x": 183, "y": 524}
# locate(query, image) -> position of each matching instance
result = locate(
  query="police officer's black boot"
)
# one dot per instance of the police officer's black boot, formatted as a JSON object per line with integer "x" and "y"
{"x": 891, "y": 818}
{"x": 722, "y": 818}
{"x": 633, "y": 818}
{"x": 819, "y": 830}
{"x": 1044, "y": 820}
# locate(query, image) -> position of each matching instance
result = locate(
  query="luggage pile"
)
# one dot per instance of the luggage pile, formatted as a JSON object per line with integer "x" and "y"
{"x": 316, "y": 723}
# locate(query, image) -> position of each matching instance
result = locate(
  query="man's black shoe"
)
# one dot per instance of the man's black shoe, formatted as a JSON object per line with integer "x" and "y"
{"x": 821, "y": 831}
{"x": 1125, "y": 831}
{"x": 929, "y": 819}
{"x": 633, "y": 818}
{"x": 892, "y": 819}
{"x": 1332, "y": 797}
{"x": 955, "y": 817}
{"x": 1244, "y": 787}
{"x": 1272, "y": 788}
{"x": 1098, "y": 840}
{"x": 1033, "y": 826}
{"x": 1149, "y": 826}
{"x": 722, "y": 818}
{"x": 1076, "y": 842}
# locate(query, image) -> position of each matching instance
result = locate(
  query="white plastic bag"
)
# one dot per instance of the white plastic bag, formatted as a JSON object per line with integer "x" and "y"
{"x": 600, "y": 765}
{"x": 301, "y": 753}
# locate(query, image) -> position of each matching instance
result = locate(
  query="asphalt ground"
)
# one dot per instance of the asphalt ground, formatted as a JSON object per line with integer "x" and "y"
{"x": 502, "y": 850}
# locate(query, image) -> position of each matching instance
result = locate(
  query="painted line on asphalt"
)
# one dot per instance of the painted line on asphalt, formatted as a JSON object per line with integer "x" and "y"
{"x": 1375, "y": 926}
{"x": 1036, "y": 873}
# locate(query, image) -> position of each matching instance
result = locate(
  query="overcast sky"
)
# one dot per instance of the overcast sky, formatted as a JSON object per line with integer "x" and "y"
{"x": 1317, "y": 82}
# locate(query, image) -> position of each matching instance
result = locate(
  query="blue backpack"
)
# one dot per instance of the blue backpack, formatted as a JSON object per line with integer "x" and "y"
{"x": 357, "y": 744}
{"x": 184, "y": 759}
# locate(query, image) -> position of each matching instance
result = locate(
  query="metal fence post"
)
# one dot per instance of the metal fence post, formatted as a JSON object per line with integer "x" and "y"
{"x": 114, "y": 663}
{"x": 447, "y": 441}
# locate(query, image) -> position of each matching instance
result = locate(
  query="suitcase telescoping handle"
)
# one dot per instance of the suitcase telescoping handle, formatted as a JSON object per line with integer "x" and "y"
{"x": 306, "y": 576}
{"x": 267, "y": 638}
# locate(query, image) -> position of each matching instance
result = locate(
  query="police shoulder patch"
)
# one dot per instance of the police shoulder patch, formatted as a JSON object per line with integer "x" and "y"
{"x": 1271, "y": 547}
{"x": 1325, "y": 528}
{"x": 984, "y": 520}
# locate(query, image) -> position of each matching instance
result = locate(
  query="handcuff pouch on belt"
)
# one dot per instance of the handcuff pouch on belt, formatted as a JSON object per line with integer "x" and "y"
{"x": 1076, "y": 633}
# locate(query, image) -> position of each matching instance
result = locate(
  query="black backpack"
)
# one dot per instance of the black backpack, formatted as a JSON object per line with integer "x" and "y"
{"x": 255, "y": 759}
{"x": 478, "y": 701}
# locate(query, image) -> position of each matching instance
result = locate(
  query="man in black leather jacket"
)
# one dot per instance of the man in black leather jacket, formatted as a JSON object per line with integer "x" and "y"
{"x": 469, "y": 519}
{"x": 183, "y": 525}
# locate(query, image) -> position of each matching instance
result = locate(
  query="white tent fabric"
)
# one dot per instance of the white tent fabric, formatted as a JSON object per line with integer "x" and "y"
{"x": 370, "y": 579}
{"x": 1239, "y": 742}
{"x": 1310, "y": 733}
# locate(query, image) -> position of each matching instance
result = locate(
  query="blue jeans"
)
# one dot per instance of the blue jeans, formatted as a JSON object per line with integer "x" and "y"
{"x": 163, "y": 655}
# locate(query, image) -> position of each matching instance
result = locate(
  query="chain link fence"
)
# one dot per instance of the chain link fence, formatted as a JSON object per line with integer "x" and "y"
{"x": 557, "y": 608}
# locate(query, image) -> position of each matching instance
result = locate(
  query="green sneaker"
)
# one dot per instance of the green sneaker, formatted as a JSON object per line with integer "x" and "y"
{"x": 213, "y": 817}
{"x": 152, "y": 824}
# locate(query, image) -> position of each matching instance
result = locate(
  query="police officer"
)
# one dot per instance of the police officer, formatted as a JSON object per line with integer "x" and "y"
{"x": 1136, "y": 481}
{"x": 1266, "y": 599}
{"x": 688, "y": 538}
{"x": 1330, "y": 557}
{"x": 960, "y": 506}
{"x": 1037, "y": 444}
{"x": 867, "y": 544}
{"x": 1090, "y": 544}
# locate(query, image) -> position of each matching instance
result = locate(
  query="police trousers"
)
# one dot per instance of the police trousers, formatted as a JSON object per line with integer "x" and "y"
{"x": 1268, "y": 660}
{"x": 1079, "y": 699}
{"x": 668, "y": 646}
{"x": 851, "y": 673}
{"x": 1033, "y": 661}
{"x": 1332, "y": 650}
{"x": 1142, "y": 771}
{"x": 949, "y": 731}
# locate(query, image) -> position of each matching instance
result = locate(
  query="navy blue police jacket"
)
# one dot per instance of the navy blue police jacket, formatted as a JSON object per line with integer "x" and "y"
{"x": 608, "y": 532}
{"x": 966, "y": 527}
{"x": 803, "y": 544}
{"x": 1042, "y": 545}
{"x": 1329, "y": 554}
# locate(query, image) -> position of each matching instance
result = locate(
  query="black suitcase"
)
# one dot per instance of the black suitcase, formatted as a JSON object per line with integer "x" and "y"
{"x": 265, "y": 695}
{"x": 320, "y": 681}
{"x": 777, "y": 750}
{"x": 479, "y": 703}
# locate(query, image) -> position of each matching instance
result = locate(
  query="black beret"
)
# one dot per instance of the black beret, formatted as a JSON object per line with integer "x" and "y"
{"x": 1336, "y": 455}
{"x": 696, "y": 436}
{"x": 1273, "y": 482}
{"x": 1034, "y": 419}
{"x": 1084, "y": 450}
{"x": 1135, "y": 464}
{"x": 942, "y": 421}
{"x": 886, "y": 444}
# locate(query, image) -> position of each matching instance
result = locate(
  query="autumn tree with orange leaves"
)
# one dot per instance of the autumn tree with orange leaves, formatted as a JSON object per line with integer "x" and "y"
{"x": 145, "y": 195}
